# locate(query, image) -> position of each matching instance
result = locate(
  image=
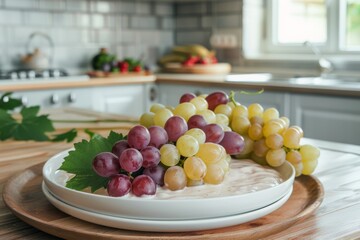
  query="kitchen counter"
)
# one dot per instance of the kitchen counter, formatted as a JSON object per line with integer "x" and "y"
{"x": 338, "y": 170}
{"x": 267, "y": 82}
{"x": 13, "y": 86}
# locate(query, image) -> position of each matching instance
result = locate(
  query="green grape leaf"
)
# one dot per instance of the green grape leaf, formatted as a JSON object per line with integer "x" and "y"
{"x": 68, "y": 136}
{"x": 30, "y": 127}
{"x": 9, "y": 103}
{"x": 79, "y": 162}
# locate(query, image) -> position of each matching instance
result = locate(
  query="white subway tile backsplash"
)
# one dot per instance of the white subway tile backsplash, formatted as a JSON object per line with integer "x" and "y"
{"x": 191, "y": 8}
{"x": 227, "y": 6}
{"x": 106, "y": 36}
{"x": 151, "y": 38}
{"x": 58, "y": 5}
{"x": 167, "y": 23}
{"x": 102, "y": 6}
{"x": 164, "y": 9}
{"x": 140, "y": 22}
{"x": 22, "y": 4}
{"x": 38, "y": 19}
{"x": 78, "y": 5}
{"x": 127, "y": 36}
{"x": 193, "y": 37}
{"x": 97, "y": 21}
{"x": 64, "y": 19}
{"x": 3, "y": 36}
{"x": 207, "y": 21}
{"x": 124, "y": 21}
{"x": 143, "y": 8}
{"x": 187, "y": 22}
{"x": 83, "y": 20}
{"x": 10, "y": 17}
{"x": 126, "y": 7}
{"x": 228, "y": 21}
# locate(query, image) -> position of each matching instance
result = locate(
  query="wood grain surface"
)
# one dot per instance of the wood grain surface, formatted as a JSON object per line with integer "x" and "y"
{"x": 24, "y": 196}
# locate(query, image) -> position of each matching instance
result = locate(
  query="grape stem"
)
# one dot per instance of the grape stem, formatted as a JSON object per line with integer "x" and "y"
{"x": 233, "y": 93}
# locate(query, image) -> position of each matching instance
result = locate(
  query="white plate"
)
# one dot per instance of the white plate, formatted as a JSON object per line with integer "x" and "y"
{"x": 163, "y": 225}
{"x": 179, "y": 208}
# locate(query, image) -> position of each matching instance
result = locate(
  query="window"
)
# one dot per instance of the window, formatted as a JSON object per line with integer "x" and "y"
{"x": 331, "y": 25}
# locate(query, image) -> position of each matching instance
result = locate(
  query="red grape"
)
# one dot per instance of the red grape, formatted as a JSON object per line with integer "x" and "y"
{"x": 119, "y": 147}
{"x": 232, "y": 142}
{"x": 131, "y": 160}
{"x": 196, "y": 121}
{"x": 175, "y": 127}
{"x": 106, "y": 164}
{"x": 214, "y": 133}
{"x": 216, "y": 98}
{"x": 156, "y": 173}
{"x": 143, "y": 185}
{"x": 138, "y": 137}
{"x": 186, "y": 97}
{"x": 158, "y": 136}
{"x": 118, "y": 185}
{"x": 151, "y": 156}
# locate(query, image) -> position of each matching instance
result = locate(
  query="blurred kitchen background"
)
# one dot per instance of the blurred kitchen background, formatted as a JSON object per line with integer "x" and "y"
{"x": 239, "y": 30}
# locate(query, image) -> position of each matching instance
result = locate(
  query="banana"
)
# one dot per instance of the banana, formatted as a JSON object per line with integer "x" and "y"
{"x": 192, "y": 50}
{"x": 172, "y": 58}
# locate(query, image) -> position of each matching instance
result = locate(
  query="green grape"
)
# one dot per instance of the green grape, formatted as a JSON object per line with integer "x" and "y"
{"x": 233, "y": 105}
{"x": 156, "y": 107}
{"x": 200, "y": 103}
{"x": 209, "y": 116}
{"x": 259, "y": 160}
{"x": 194, "y": 183}
{"x": 298, "y": 168}
{"x": 162, "y": 116}
{"x": 272, "y": 127}
{"x": 300, "y": 130}
{"x": 195, "y": 168}
{"x": 147, "y": 119}
{"x": 214, "y": 174}
{"x": 170, "y": 155}
{"x": 187, "y": 145}
{"x": 240, "y": 124}
{"x": 224, "y": 109}
{"x": 225, "y": 166}
{"x": 274, "y": 141}
{"x": 260, "y": 148}
{"x": 185, "y": 110}
{"x": 294, "y": 157}
{"x": 211, "y": 152}
{"x": 255, "y": 110}
{"x": 270, "y": 113}
{"x": 240, "y": 111}
{"x": 197, "y": 133}
{"x": 175, "y": 178}
{"x": 249, "y": 145}
{"x": 228, "y": 158}
{"x": 276, "y": 157}
{"x": 287, "y": 122}
{"x": 309, "y": 152}
{"x": 255, "y": 131}
{"x": 222, "y": 119}
{"x": 291, "y": 138}
{"x": 257, "y": 119}
{"x": 309, "y": 166}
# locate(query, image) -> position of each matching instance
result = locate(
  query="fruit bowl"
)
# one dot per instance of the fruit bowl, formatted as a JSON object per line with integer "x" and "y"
{"x": 233, "y": 196}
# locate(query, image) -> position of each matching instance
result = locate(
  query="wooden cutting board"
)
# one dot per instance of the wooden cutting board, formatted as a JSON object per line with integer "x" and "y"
{"x": 217, "y": 68}
{"x": 23, "y": 195}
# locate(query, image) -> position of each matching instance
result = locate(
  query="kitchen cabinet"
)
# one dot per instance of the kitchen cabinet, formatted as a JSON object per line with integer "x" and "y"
{"x": 127, "y": 99}
{"x": 327, "y": 117}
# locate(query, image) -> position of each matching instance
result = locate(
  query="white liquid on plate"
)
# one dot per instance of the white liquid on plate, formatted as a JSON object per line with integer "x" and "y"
{"x": 244, "y": 176}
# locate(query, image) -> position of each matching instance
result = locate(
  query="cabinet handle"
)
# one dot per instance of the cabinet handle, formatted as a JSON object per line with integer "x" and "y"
{"x": 54, "y": 99}
{"x": 153, "y": 94}
{"x": 72, "y": 98}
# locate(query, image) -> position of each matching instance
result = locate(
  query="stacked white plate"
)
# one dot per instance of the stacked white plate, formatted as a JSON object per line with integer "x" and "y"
{"x": 164, "y": 215}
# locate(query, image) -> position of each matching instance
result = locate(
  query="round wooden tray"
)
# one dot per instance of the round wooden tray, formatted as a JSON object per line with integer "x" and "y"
{"x": 216, "y": 68}
{"x": 23, "y": 195}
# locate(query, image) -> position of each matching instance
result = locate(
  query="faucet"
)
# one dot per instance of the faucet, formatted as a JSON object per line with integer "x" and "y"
{"x": 325, "y": 65}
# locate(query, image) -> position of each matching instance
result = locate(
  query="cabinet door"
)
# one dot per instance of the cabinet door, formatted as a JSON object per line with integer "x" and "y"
{"x": 327, "y": 118}
{"x": 53, "y": 98}
{"x": 127, "y": 100}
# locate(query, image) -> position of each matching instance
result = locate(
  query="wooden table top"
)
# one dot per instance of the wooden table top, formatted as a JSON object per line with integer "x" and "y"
{"x": 338, "y": 217}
